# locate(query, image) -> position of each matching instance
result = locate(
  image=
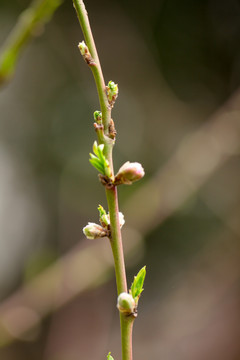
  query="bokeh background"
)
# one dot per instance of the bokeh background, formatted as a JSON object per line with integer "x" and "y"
{"x": 178, "y": 113}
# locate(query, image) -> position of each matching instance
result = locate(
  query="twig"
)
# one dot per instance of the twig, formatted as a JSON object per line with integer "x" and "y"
{"x": 102, "y": 161}
{"x": 29, "y": 22}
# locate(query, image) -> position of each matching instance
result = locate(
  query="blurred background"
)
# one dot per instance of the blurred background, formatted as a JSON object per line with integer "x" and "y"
{"x": 178, "y": 113}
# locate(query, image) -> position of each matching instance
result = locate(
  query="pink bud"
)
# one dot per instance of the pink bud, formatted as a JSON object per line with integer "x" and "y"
{"x": 128, "y": 173}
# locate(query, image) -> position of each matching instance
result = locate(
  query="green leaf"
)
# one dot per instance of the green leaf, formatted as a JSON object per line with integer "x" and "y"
{"x": 101, "y": 210}
{"x": 95, "y": 149}
{"x": 99, "y": 160}
{"x": 109, "y": 357}
{"x": 137, "y": 285}
{"x": 97, "y": 164}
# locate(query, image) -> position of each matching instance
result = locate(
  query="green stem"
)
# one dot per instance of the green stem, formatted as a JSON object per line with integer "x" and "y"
{"x": 97, "y": 70}
{"x": 126, "y": 322}
{"x": 116, "y": 240}
{"x": 126, "y": 334}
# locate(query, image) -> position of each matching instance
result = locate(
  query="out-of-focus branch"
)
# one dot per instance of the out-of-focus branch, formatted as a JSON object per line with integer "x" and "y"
{"x": 29, "y": 24}
{"x": 197, "y": 158}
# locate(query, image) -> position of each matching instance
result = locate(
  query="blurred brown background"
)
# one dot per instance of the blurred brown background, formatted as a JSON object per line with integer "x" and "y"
{"x": 178, "y": 113}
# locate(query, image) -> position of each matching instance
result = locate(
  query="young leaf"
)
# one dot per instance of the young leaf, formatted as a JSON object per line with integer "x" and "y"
{"x": 109, "y": 357}
{"x": 101, "y": 210}
{"x": 95, "y": 148}
{"x": 97, "y": 164}
{"x": 99, "y": 160}
{"x": 137, "y": 285}
{"x": 103, "y": 216}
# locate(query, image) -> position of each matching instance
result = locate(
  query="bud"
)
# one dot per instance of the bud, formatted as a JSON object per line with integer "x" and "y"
{"x": 126, "y": 304}
{"x": 83, "y": 48}
{"x": 121, "y": 219}
{"x": 103, "y": 216}
{"x": 128, "y": 173}
{"x": 112, "y": 92}
{"x": 97, "y": 117}
{"x": 85, "y": 53}
{"x": 94, "y": 231}
{"x": 109, "y": 356}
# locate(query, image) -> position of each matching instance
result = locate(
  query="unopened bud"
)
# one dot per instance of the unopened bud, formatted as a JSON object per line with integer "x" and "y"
{"x": 128, "y": 173}
{"x": 121, "y": 219}
{"x": 109, "y": 356}
{"x": 94, "y": 231}
{"x": 126, "y": 304}
{"x": 97, "y": 117}
{"x": 112, "y": 92}
{"x": 103, "y": 216}
{"x": 85, "y": 53}
{"x": 83, "y": 48}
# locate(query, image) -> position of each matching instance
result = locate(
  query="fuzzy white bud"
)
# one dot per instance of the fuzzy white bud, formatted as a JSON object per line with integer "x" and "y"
{"x": 94, "y": 231}
{"x": 126, "y": 303}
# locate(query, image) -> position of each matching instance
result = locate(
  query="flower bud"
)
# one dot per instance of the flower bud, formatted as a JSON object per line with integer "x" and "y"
{"x": 126, "y": 304}
{"x": 94, "y": 231}
{"x": 128, "y": 173}
{"x": 121, "y": 219}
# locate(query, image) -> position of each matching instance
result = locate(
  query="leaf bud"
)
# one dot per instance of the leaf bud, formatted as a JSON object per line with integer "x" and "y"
{"x": 94, "y": 231}
{"x": 126, "y": 304}
{"x": 109, "y": 356}
{"x": 85, "y": 53}
{"x": 112, "y": 92}
{"x": 103, "y": 216}
{"x": 83, "y": 48}
{"x": 97, "y": 117}
{"x": 128, "y": 173}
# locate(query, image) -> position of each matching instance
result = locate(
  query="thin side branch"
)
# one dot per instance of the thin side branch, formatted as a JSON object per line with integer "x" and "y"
{"x": 29, "y": 24}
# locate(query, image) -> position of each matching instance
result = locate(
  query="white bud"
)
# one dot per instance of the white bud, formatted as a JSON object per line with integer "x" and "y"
{"x": 94, "y": 231}
{"x": 121, "y": 219}
{"x": 126, "y": 304}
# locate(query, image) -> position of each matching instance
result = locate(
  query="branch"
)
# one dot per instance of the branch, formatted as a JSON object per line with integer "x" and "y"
{"x": 27, "y": 26}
